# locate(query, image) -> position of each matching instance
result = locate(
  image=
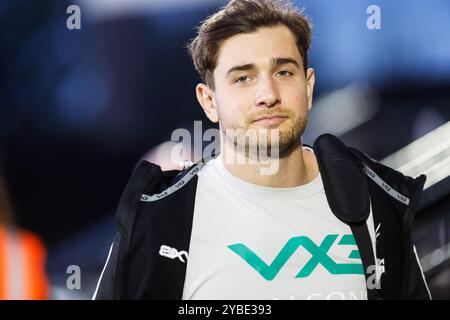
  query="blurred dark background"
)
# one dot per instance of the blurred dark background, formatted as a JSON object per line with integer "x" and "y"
{"x": 79, "y": 108}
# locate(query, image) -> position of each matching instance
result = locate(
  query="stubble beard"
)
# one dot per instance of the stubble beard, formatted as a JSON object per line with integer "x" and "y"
{"x": 272, "y": 142}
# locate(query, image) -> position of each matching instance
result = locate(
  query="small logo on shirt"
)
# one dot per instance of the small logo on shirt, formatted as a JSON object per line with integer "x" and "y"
{"x": 318, "y": 256}
{"x": 172, "y": 253}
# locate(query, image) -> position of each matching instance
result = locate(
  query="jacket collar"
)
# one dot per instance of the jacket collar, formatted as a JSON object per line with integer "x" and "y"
{"x": 344, "y": 181}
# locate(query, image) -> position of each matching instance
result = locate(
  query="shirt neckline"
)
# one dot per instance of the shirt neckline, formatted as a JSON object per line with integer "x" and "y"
{"x": 256, "y": 191}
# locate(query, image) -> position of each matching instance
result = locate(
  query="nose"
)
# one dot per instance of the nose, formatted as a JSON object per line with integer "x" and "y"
{"x": 267, "y": 95}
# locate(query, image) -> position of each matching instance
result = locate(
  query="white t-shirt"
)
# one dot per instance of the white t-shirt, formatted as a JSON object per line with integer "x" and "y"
{"x": 253, "y": 242}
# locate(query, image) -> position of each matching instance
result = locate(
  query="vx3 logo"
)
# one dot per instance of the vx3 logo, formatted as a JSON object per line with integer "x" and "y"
{"x": 319, "y": 255}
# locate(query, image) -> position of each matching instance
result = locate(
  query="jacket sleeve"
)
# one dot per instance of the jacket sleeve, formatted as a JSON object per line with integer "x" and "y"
{"x": 106, "y": 283}
{"x": 418, "y": 288}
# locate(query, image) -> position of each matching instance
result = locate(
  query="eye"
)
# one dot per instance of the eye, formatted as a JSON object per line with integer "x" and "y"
{"x": 285, "y": 73}
{"x": 242, "y": 79}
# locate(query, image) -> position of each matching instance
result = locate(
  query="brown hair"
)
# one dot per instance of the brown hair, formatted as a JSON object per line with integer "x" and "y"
{"x": 245, "y": 16}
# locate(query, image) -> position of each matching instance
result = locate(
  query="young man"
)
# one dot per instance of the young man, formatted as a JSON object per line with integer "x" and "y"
{"x": 327, "y": 223}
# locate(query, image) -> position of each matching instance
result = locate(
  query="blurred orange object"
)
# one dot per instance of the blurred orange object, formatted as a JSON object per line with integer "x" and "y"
{"x": 22, "y": 266}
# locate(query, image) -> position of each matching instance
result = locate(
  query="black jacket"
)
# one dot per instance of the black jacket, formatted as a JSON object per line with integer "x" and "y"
{"x": 156, "y": 208}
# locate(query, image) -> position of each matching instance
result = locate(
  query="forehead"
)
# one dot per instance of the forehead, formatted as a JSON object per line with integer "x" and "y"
{"x": 258, "y": 47}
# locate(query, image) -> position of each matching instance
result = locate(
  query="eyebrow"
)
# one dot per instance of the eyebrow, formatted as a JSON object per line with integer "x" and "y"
{"x": 283, "y": 61}
{"x": 275, "y": 62}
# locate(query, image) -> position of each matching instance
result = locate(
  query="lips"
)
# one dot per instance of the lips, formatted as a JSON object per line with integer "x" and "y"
{"x": 270, "y": 119}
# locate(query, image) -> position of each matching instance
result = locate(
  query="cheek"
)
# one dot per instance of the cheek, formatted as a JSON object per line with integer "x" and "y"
{"x": 295, "y": 91}
{"x": 296, "y": 100}
{"x": 232, "y": 108}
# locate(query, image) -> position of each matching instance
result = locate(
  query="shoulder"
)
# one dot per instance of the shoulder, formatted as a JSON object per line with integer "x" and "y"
{"x": 399, "y": 186}
{"x": 331, "y": 150}
{"x": 351, "y": 177}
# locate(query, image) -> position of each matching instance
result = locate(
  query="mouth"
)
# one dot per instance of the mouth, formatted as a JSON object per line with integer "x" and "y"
{"x": 270, "y": 120}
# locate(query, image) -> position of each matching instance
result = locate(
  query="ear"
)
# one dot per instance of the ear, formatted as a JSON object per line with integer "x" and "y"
{"x": 205, "y": 97}
{"x": 310, "y": 80}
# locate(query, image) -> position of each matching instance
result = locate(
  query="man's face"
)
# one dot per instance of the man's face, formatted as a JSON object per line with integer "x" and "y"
{"x": 260, "y": 84}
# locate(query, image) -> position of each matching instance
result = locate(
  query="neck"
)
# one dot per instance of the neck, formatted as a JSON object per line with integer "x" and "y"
{"x": 296, "y": 168}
